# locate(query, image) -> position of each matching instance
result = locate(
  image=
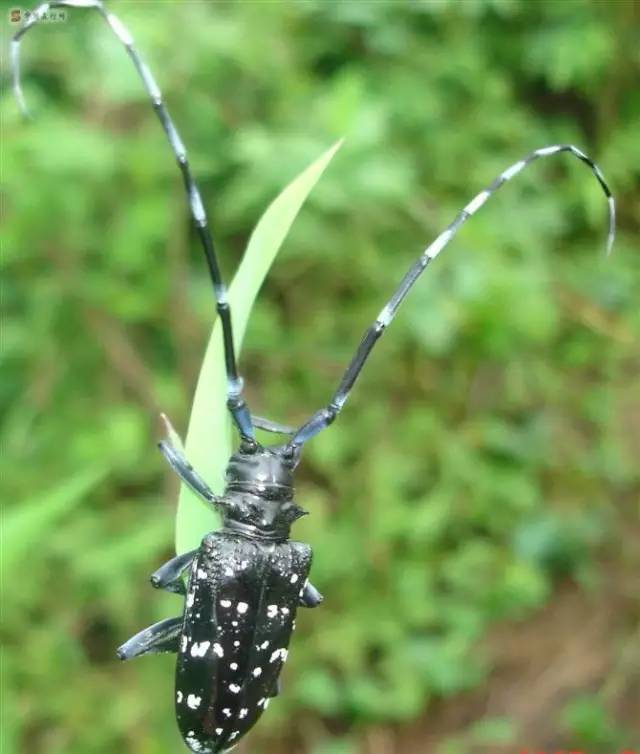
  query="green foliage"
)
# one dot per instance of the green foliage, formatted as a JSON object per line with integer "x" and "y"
{"x": 489, "y": 451}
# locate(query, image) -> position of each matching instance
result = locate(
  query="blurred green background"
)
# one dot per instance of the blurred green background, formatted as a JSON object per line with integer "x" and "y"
{"x": 475, "y": 508}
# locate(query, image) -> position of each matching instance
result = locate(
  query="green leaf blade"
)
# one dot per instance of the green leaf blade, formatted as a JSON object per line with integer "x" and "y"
{"x": 209, "y": 437}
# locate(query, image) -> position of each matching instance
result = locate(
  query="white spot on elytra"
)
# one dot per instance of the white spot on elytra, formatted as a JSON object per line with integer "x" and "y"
{"x": 294, "y": 578}
{"x": 285, "y": 611}
{"x": 279, "y": 653}
{"x": 228, "y": 571}
{"x": 272, "y": 611}
{"x": 217, "y": 648}
{"x": 264, "y": 645}
{"x": 261, "y": 702}
{"x": 183, "y": 644}
{"x": 193, "y": 701}
{"x": 235, "y": 734}
{"x": 179, "y": 696}
{"x": 226, "y": 712}
{"x": 236, "y": 643}
{"x": 234, "y": 688}
{"x": 234, "y": 666}
{"x": 242, "y": 607}
{"x": 201, "y": 574}
{"x": 225, "y": 603}
{"x": 193, "y": 743}
{"x": 257, "y": 672}
{"x": 190, "y": 599}
{"x": 200, "y": 649}
{"x": 234, "y": 623}
{"x": 243, "y": 713}
{"x": 219, "y": 731}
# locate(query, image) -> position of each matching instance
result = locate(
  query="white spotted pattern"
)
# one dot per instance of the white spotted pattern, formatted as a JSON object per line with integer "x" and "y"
{"x": 242, "y": 607}
{"x": 193, "y": 701}
{"x": 234, "y": 688}
{"x": 272, "y": 611}
{"x": 200, "y": 649}
{"x": 217, "y": 648}
{"x": 279, "y": 653}
{"x": 257, "y": 672}
{"x": 225, "y": 603}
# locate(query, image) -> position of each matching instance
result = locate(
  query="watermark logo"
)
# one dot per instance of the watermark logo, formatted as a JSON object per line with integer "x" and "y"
{"x": 51, "y": 16}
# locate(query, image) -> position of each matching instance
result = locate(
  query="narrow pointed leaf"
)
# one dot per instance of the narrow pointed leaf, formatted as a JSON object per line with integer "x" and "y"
{"x": 209, "y": 439}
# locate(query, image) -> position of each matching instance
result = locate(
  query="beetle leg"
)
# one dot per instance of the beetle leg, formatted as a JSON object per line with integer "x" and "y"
{"x": 173, "y": 451}
{"x": 161, "y": 637}
{"x": 168, "y": 576}
{"x": 310, "y": 597}
{"x": 186, "y": 472}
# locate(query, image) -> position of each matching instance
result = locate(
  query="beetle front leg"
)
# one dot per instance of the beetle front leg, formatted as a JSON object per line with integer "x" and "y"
{"x": 161, "y": 637}
{"x": 310, "y": 596}
{"x": 173, "y": 450}
{"x": 168, "y": 576}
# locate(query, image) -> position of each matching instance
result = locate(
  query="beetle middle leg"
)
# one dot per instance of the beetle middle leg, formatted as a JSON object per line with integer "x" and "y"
{"x": 168, "y": 575}
{"x": 160, "y": 637}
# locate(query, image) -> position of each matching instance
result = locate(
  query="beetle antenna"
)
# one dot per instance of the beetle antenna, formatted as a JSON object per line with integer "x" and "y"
{"x": 325, "y": 416}
{"x": 235, "y": 401}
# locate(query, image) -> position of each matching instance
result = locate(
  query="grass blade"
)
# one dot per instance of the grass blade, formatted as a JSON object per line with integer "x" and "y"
{"x": 208, "y": 442}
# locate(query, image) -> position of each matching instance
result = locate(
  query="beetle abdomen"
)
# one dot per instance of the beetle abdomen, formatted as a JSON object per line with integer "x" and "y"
{"x": 241, "y": 602}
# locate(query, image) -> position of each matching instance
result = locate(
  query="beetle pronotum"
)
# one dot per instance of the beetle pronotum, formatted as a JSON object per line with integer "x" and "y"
{"x": 247, "y": 579}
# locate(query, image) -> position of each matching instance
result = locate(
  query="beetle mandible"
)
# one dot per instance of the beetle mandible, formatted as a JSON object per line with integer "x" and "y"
{"x": 247, "y": 580}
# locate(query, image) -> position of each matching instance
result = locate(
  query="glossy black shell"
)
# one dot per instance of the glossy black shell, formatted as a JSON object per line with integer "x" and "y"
{"x": 242, "y": 598}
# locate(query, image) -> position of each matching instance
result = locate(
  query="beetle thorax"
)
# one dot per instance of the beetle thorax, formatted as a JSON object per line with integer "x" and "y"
{"x": 258, "y": 497}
